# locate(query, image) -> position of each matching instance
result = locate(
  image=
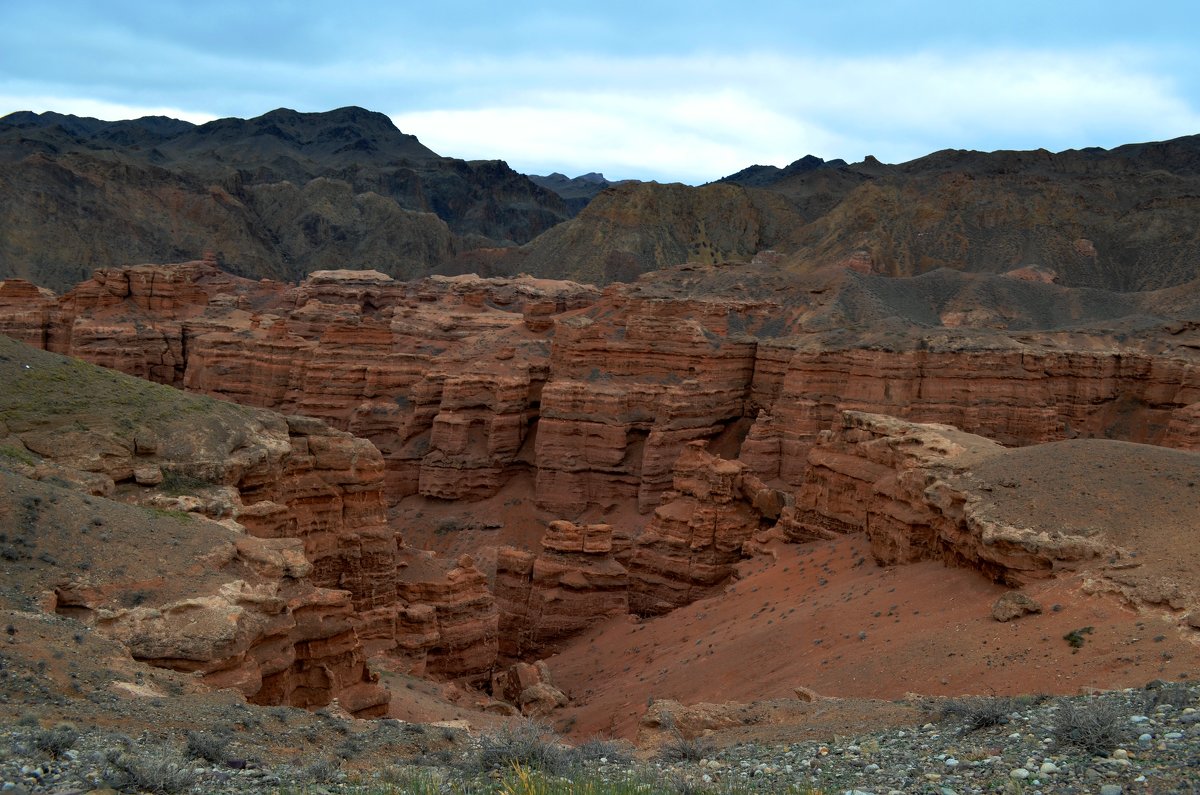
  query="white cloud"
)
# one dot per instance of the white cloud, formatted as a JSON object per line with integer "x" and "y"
{"x": 698, "y": 118}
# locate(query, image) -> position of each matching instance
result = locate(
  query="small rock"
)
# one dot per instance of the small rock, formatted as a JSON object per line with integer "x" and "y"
{"x": 1110, "y": 789}
{"x": 149, "y": 475}
{"x": 1120, "y": 753}
{"x": 1047, "y": 768}
{"x": 1019, "y": 773}
{"x": 1014, "y": 604}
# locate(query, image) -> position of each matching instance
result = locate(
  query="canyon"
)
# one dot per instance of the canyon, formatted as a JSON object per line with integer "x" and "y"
{"x": 457, "y": 477}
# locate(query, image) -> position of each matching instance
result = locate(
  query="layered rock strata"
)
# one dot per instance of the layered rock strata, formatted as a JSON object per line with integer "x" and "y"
{"x": 449, "y": 626}
{"x": 295, "y": 489}
{"x": 462, "y": 382}
{"x": 1016, "y": 392}
{"x": 629, "y": 388}
{"x": 573, "y": 582}
{"x": 903, "y": 485}
{"x": 354, "y": 348}
{"x": 696, "y": 536}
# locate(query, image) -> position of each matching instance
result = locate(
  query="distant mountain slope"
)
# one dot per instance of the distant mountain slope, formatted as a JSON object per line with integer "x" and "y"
{"x": 1125, "y": 219}
{"x": 287, "y": 193}
{"x": 279, "y": 195}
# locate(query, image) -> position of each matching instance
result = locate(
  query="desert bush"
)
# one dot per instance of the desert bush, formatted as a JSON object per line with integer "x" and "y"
{"x": 682, "y": 749}
{"x": 156, "y": 771}
{"x": 979, "y": 713}
{"x": 1095, "y": 727}
{"x": 56, "y": 741}
{"x": 1173, "y": 694}
{"x": 528, "y": 744}
{"x": 209, "y": 746}
{"x": 322, "y": 770}
{"x": 1075, "y": 638}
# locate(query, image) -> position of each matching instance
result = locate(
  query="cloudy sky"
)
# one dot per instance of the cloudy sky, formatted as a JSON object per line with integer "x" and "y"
{"x": 675, "y": 91}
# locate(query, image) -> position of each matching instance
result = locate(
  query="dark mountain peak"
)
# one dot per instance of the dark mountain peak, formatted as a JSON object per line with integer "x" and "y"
{"x": 806, "y": 163}
{"x": 78, "y": 126}
{"x": 758, "y": 176}
{"x": 341, "y": 138}
{"x": 577, "y": 191}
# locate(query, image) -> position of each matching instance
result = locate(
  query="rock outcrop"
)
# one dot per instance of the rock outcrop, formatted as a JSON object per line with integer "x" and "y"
{"x": 462, "y": 382}
{"x": 449, "y": 627}
{"x": 308, "y": 502}
{"x": 697, "y": 534}
{"x": 572, "y": 583}
{"x": 443, "y": 375}
{"x": 904, "y": 485}
{"x": 630, "y": 387}
{"x": 1016, "y": 392}
{"x": 530, "y": 688}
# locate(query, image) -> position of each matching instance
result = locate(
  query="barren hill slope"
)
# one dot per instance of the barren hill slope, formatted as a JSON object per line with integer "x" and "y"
{"x": 277, "y": 196}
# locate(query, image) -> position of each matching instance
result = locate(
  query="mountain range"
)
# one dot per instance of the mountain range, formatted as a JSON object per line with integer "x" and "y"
{"x": 287, "y": 193}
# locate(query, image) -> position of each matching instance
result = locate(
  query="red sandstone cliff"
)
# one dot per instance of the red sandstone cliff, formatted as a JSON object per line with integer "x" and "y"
{"x": 573, "y": 582}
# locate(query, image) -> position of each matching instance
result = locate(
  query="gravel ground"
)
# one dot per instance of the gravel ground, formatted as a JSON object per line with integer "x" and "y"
{"x": 1131, "y": 741}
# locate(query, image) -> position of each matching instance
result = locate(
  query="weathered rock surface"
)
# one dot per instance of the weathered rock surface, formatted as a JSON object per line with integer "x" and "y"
{"x": 1013, "y": 605}
{"x": 443, "y": 375}
{"x": 461, "y": 382}
{"x": 573, "y": 582}
{"x": 530, "y": 687}
{"x": 451, "y": 622}
{"x": 307, "y": 499}
{"x": 1016, "y": 392}
{"x": 697, "y": 534}
{"x": 903, "y": 485}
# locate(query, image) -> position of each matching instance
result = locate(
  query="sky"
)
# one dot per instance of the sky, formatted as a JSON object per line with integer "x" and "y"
{"x": 672, "y": 91}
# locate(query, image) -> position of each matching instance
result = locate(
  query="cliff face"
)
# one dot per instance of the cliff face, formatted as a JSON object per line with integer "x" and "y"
{"x": 629, "y": 387}
{"x": 462, "y": 382}
{"x": 899, "y": 483}
{"x": 444, "y": 376}
{"x": 924, "y": 491}
{"x": 697, "y": 534}
{"x": 308, "y": 574}
{"x": 1016, "y": 392}
{"x": 267, "y": 602}
{"x": 575, "y": 581}
{"x": 703, "y": 395}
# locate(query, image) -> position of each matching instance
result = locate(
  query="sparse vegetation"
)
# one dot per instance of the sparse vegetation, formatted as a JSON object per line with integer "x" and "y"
{"x": 1095, "y": 727}
{"x": 57, "y": 741}
{"x": 1075, "y": 638}
{"x": 979, "y": 713}
{"x": 209, "y": 746}
{"x": 151, "y": 770}
{"x": 1173, "y": 694}
{"x": 177, "y": 484}
{"x": 528, "y": 745}
{"x": 17, "y": 454}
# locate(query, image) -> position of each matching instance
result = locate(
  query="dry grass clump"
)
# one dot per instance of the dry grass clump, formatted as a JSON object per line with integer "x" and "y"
{"x": 1094, "y": 726}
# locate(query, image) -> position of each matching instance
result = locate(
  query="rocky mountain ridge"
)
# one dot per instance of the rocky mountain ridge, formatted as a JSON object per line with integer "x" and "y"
{"x": 278, "y": 195}
{"x": 288, "y": 193}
